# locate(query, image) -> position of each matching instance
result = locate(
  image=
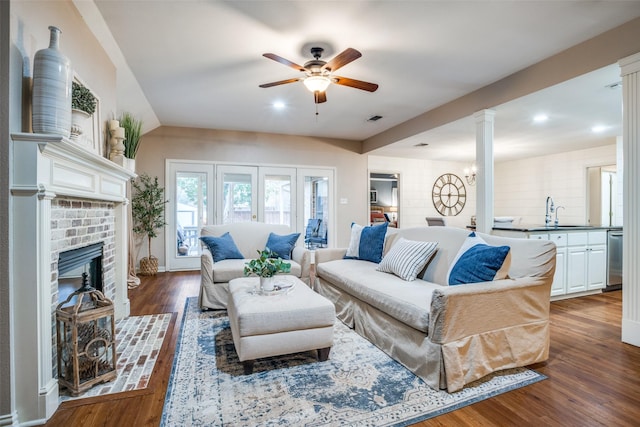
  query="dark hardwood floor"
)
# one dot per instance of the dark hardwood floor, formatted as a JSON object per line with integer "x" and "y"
{"x": 593, "y": 378}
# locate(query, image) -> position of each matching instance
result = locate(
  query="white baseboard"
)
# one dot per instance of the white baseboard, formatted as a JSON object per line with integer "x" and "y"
{"x": 631, "y": 332}
{"x": 9, "y": 419}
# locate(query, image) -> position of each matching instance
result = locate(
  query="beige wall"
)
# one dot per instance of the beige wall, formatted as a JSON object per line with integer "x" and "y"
{"x": 249, "y": 148}
{"x": 29, "y": 33}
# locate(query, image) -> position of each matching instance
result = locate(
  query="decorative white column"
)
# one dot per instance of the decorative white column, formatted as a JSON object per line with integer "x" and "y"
{"x": 32, "y": 301}
{"x": 484, "y": 161}
{"x": 121, "y": 304}
{"x": 630, "y": 71}
{"x": 47, "y": 384}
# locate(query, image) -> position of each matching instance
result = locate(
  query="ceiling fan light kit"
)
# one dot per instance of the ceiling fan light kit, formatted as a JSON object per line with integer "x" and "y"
{"x": 317, "y": 83}
{"x": 319, "y": 73}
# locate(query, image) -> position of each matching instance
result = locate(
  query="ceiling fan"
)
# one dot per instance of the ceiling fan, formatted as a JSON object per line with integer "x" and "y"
{"x": 319, "y": 73}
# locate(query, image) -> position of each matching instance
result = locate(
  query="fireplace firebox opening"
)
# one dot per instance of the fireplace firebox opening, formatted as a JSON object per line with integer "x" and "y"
{"x": 75, "y": 263}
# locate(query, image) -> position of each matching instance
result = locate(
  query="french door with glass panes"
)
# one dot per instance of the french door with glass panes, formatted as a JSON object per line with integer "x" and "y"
{"x": 201, "y": 194}
{"x": 277, "y": 201}
{"x": 256, "y": 193}
{"x": 190, "y": 194}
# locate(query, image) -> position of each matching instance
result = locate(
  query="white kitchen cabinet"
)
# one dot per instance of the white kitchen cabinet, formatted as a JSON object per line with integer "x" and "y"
{"x": 576, "y": 269}
{"x": 559, "y": 285}
{"x": 597, "y": 260}
{"x": 581, "y": 260}
{"x": 586, "y": 261}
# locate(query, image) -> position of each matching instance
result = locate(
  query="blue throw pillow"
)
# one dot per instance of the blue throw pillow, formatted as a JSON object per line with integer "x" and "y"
{"x": 367, "y": 243}
{"x": 222, "y": 247}
{"x": 477, "y": 262}
{"x": 282, "y": 245}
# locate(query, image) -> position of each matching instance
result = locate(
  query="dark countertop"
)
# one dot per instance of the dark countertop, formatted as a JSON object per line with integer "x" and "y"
{"x": 535, "y": 228}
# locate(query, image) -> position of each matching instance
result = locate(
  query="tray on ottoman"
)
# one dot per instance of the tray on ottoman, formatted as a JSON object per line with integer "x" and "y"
{"x": 290, "y": 322}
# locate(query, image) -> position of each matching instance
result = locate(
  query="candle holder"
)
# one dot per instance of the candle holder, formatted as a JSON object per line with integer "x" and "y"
{"x": 116, "y": 142}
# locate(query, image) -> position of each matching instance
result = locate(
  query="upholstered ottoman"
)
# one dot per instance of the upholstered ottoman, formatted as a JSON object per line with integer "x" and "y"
{"x": 282, "y": 323}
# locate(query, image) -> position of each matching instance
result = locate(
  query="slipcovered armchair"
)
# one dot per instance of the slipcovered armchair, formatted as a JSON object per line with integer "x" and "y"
{"x": 248, "y": 238}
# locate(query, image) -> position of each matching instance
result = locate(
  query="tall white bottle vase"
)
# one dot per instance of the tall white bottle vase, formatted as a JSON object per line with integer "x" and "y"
{"x": 51, "y": 96}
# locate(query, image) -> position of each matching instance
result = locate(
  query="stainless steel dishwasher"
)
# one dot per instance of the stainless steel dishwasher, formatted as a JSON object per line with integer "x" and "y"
{"x": 614, "y": 260}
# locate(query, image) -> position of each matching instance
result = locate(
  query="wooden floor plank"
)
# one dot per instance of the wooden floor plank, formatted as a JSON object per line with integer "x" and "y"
{"x": 593, "y": 378}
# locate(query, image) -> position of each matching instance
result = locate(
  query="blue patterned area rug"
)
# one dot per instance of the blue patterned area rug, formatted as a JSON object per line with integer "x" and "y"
{"x": 359, "y": 385}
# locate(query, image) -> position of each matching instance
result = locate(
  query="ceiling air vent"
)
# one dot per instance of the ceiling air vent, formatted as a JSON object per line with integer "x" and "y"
{"x": 615, "y": 85}
{"x": 374, "y": 118}
{"x": 421, "y": 144}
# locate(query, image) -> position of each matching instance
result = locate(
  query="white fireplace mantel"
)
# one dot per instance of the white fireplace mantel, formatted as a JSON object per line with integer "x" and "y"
{"x": 44, "y": 167}
{"x": 53, "y": 163}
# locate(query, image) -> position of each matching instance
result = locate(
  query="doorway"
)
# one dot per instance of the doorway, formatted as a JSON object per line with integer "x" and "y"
{"x": 384, "y": 198}
{"x": 315, "y": 187}
{"x": 603, "y": 204}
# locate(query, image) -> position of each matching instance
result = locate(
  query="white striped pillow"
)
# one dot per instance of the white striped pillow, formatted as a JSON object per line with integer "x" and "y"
{"x": 407, "y": 258}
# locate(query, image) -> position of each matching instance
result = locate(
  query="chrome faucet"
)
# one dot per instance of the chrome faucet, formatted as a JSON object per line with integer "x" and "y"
{"x": 557, "y": 209}
{"x": 549, "y": 209}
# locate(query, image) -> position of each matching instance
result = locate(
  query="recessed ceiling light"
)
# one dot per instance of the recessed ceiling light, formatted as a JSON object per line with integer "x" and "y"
{"x": 541, "y": 118}
{"x": 421, "y": 144}
{"x": 598, "y": 129}
{"x": 278, "y": 105}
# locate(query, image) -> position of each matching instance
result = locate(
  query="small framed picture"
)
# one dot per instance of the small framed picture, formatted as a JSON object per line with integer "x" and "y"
{"x": 86, "y": 130}
{"x": 373, "y": 196}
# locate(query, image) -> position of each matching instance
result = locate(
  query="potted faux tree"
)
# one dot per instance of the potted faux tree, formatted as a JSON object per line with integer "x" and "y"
{"x": 267, "y": 265}
{"x": 83, "y": 105}
{"x": 132, "y": 134}
{"x": 147, "y": 208}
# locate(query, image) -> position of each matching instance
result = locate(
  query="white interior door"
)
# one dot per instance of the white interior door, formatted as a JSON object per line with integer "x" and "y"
{"x": 190, "y": 193}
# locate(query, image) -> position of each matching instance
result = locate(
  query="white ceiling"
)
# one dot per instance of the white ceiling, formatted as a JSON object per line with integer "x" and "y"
{"x": 573, "y": 109}
{"x": 199, "y": 64}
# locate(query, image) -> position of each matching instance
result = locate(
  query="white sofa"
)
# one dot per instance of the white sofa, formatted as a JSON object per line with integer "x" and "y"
{"x": 249, "y": 237}
{"x": 447, "y": 335}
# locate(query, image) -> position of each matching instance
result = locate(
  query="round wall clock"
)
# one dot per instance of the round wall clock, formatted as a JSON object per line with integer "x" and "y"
{"x": 449, "y": 194}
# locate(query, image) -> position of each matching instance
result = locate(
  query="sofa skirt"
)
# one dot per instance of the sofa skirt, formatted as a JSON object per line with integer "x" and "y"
{"x": 408, "y": 346}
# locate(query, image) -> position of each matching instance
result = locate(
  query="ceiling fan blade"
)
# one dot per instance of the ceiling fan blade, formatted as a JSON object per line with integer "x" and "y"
{"x": 284, "y": 61}
{"x": 358, "y": 84}
{"x": 281, "y": 82}
{"x": 319, "y": 97}
{"x": 342, "y": 59}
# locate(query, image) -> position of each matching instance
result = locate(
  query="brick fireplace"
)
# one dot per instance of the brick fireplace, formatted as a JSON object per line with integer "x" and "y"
{"x": 63, "y": 197}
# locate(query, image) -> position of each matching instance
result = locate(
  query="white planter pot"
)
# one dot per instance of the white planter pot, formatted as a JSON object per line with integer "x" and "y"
{"x": 129, "y": 164}
{"x": 80, "y": 123}
{"x": 267, "y": 284}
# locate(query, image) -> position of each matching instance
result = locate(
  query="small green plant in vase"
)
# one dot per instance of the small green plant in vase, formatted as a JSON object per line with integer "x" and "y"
{"x": 267, "y": 265}
{"x": 132, "y": 132}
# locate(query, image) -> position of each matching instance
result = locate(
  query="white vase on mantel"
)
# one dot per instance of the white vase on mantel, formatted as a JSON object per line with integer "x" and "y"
{"x": 51, "y": 95}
